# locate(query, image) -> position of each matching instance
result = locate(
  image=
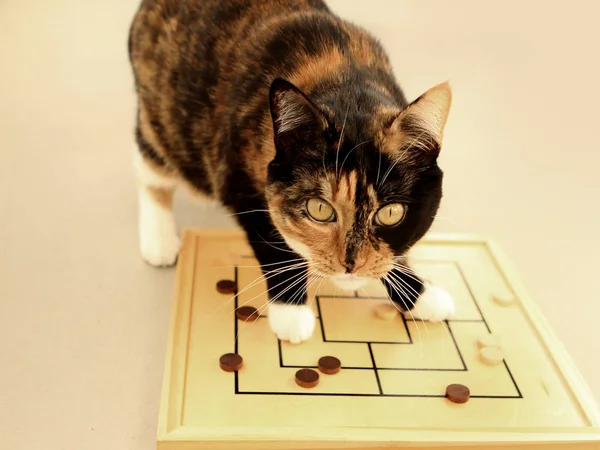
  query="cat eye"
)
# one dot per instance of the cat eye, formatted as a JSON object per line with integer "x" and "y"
{"x": 390, "y": 215}
{"x": 320, "y": 210}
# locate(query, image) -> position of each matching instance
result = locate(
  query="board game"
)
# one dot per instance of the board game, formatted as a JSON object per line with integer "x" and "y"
{"x": 390, "y": 392}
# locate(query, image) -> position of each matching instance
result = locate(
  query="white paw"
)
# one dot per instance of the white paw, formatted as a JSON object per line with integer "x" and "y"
{"x": 434, "y": 304}
{"x": 294, "y": 323}
{"x": 159, "y": 249}
{"x": 159, "y": 243}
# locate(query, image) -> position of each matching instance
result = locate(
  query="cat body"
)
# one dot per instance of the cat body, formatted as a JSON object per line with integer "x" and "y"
{"x": 292, "y": 119}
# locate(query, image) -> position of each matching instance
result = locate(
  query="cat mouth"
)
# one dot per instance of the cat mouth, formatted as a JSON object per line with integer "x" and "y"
{"x": 349, "y": 281}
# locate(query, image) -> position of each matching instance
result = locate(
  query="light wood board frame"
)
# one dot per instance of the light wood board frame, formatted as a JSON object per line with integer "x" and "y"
{"x": 582, "y": 423}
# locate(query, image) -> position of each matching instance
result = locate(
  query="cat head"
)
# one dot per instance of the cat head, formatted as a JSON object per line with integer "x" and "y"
{"x": 352, "y": 191}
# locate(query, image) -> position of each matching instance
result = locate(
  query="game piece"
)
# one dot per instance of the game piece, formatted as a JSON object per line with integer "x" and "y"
{"x": 504, "y": 300}
{"x": 247, "y": 313}
{"x": 458, "y": 393}
{"x": 231, "y": 362}
{"x": 307, "y": 378}
{"x": 226, "y": 286}
{"x": 386, "y": 311}
{"x": 489, "y": 340}
{"x": 330, "y": 365}
{"x": 491, "y": 355}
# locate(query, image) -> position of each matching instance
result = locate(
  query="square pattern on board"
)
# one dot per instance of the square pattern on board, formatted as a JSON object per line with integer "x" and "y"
{"x": 374, "y": 352}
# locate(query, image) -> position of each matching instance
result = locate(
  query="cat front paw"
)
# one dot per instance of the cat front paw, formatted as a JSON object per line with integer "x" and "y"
{"x": 434, "y": 304}
{"x": 159, "y": 247}
{"x": 294, "y": 323}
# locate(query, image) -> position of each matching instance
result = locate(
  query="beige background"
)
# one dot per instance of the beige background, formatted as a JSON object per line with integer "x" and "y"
{"x": 83, "y": 321}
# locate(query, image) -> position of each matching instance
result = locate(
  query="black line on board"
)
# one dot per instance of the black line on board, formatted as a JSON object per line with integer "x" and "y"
{"x": 335, "y": 297}
{"x": 350, "y": 394}
{"x": 342, "y": 341}
{"x": 379, "y": 368}
{"x": 513, "y": 379}
{"x": 369, "y": 344}
{"x": 280, "y": 353}
{"x": 462, "y": 360}
{"x": 235, "y": 327}
{"x": 262, "y": 316}
{"x": 375, "y": 369}
{"x": 318, "y": 300}
{"x": 496, "y": 396}
{"x": 464, "y": 278}
{"x": 483, "y": 319}
{"x": 407, "y": 328}
{"x": 465, "y": 320}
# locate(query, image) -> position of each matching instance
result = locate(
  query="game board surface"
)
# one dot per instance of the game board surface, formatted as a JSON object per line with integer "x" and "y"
{"x": 390, "y": 391}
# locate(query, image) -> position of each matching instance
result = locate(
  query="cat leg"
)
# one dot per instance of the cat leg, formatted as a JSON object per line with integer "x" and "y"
{"x": 419, "y": 299}
{"x": 159, "y": 243}
{"x": 290, "y": 318}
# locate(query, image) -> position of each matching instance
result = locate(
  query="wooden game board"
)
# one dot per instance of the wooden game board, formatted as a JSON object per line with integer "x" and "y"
{"x": 390, "y": 392}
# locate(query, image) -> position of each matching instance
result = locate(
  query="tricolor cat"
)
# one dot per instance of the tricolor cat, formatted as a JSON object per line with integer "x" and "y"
{"x": 292, "y": 118}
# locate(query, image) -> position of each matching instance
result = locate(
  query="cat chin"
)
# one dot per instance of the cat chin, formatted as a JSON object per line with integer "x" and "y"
{"x": 349, "y": 282}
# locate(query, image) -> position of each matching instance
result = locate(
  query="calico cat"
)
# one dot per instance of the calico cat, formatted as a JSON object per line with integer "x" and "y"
{"x": 290, "y": 117}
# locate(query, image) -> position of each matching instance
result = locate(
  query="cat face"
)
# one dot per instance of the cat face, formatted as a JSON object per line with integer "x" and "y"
{"x": 353, "y": 197}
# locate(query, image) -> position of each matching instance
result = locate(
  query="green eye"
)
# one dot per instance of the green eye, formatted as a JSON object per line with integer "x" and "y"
{"x": 320, "y": 210}
{"x": 390, "y": 215}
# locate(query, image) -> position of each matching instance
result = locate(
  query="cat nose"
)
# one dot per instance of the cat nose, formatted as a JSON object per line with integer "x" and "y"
{"x": 352, "y": 265}
{"x": 349, "y": 266}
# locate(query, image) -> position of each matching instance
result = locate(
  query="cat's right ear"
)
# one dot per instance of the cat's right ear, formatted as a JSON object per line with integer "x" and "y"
{"x": 296, "y": 119}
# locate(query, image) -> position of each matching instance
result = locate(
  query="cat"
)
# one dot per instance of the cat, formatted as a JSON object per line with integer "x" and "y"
{"x": 291, "y": 118}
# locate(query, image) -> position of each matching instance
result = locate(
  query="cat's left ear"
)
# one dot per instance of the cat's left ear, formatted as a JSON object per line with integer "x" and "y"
{"x": 420, "y": 126}
{"x": 296, "y": 119}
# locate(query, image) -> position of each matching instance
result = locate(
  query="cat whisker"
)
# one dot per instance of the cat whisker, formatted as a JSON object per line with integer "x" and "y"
{"x": 320, "y": 284}
{"x": 378, "y": 168}
{"x": 298, "y": 293}
{"x": 401, "y": 293}
{"x": 274, "y": 272}
{"x": 257, "y": 266}
{"x": 348, "y": 154}
{"x": 399, "y": 264}
{"x": 248, "y": 212}
{"x": 293, "y": 277}
{"x": 437, "y": 217}
{"x": 299, "y": 277}
{"x": 277, "y": 248}
{"x": 259, "y": 278}
{"x": 398, "y": 160}
{"x": 409, "y": 273}
{"x": 401, "y": 284}
{"x": 297, "y": 281}
{"x": 404, "y": 283}
{"x": 279, "y": 263}
{"x": 337, "y": 153}
{"x": 395, "y": 288}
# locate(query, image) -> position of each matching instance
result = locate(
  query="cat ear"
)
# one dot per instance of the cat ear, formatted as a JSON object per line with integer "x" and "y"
{"x": 420, "y": 126}
{"x": 295, "y": 116}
